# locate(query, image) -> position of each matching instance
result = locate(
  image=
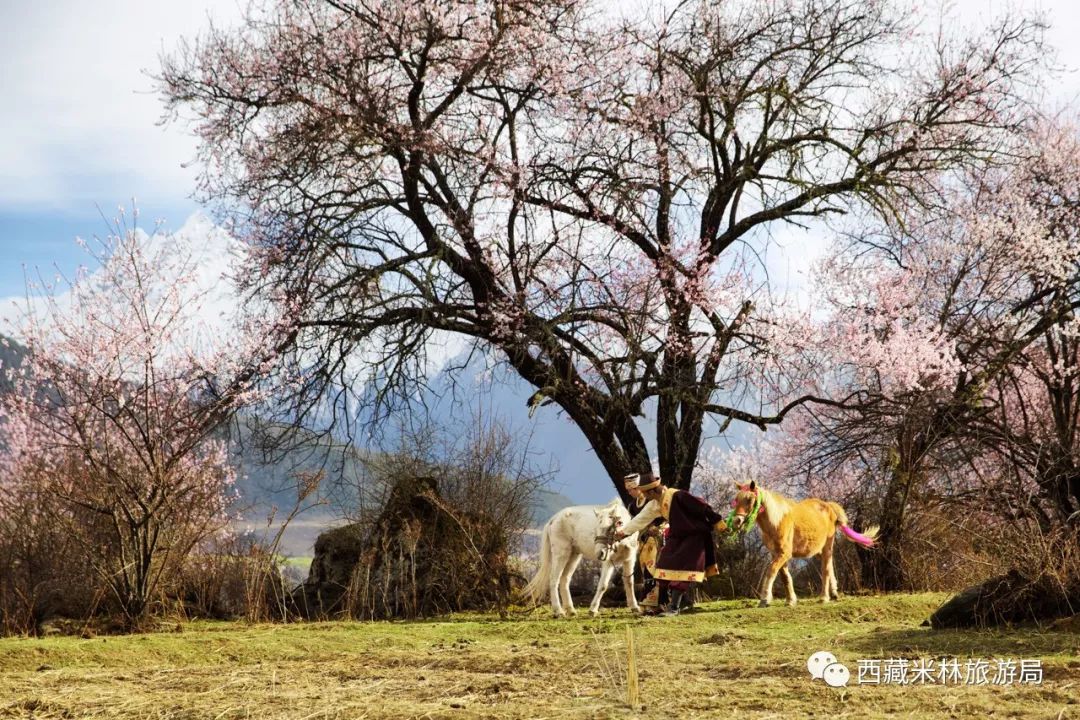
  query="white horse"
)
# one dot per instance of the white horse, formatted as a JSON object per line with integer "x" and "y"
{"x": 569, "y": 535}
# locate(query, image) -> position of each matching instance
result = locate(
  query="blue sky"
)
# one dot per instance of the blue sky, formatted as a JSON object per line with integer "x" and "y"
{"x": 44, "y": 240}
{"x": 80, "y": 124}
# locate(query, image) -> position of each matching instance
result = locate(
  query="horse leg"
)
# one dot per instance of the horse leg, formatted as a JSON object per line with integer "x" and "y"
{"x": 827, "y": 578}
{"x": 564, "y": 585}
{"x": 770, "y": 577}
{"x": 628, "y": 584}
{"x": 791, "y": 598}
{"x": 560, "y": 558}
{"x": 832, "y": 577}
{"x": 606, "y": 572}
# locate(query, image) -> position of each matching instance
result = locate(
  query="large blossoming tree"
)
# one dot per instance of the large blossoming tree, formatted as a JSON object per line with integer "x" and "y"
{"x": 586, "y": 197}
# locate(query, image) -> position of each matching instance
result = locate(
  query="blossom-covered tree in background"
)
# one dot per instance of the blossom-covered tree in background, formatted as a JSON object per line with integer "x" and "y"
{"x": 587, "y": 197}
{"x": 1033, "y": 430}
{"x": 1028, "y": 450}
{"x": 112, "y": 423}
{"x": 941, "y": 329}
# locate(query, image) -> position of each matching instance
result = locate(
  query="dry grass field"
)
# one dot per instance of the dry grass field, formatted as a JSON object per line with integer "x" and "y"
{"x": 727, "y": 659}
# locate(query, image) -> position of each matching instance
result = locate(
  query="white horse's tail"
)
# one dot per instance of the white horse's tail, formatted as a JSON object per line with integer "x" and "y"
{"x": 538, "y": 587}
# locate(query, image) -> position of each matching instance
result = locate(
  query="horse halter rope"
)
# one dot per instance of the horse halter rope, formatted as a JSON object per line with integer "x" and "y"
{"x": 750, "y": 517}
{"x": 607, "y": 539}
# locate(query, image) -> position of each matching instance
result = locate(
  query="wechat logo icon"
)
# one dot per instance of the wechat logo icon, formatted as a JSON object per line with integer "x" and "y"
{"x": 823, "y": 665}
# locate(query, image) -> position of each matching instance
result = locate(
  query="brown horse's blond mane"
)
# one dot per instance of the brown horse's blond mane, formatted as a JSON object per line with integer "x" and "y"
{"x": 775, "y": 506}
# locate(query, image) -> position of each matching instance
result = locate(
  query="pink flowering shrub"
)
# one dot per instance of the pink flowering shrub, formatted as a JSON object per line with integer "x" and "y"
{"x": 111, "y": 428}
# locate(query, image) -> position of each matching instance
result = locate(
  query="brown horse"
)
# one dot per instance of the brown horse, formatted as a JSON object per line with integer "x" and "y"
{"x": 795, "y": 529}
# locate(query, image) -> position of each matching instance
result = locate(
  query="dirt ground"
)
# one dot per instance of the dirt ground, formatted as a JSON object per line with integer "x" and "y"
{"x": 726, "y": 659}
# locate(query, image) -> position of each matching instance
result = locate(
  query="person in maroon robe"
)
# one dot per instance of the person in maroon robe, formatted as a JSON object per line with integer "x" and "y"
{"x": 688, "y": 555}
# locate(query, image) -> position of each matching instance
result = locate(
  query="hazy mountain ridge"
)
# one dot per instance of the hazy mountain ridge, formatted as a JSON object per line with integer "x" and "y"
{"x": 11, "y": 356}
{"x": 265, "y": 487}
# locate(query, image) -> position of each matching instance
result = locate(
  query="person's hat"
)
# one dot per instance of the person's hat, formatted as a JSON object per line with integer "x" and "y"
{"x": 630, "y": 482}
{"x": 647, "y": 481}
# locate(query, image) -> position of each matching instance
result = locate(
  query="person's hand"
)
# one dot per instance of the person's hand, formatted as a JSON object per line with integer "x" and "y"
{"x": 619, "y": 535}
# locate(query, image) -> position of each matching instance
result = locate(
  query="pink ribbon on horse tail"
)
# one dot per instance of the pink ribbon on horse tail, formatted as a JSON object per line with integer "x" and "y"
{"x": 856, "y": 537}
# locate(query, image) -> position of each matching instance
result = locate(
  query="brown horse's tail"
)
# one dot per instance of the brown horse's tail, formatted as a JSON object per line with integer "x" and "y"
{"x": 841, "y": 516}
{"x": 866, "y": 538}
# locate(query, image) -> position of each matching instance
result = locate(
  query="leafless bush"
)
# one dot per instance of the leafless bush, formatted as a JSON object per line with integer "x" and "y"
{"x": 1048, "y": 564}
{"x": 1042, "y": 583}
{"x": 212, "y": 583}
{"x": 439, "y": 520}
{"x": 266, "y": 589}
{"x": 948, "y": 548}
{"x": 232, "y": 577}
{"x": 488, "y": 470}
{"x": 41, "y": 573}
{"x": 243, "y": 576}
{"x": 741, "y": 561}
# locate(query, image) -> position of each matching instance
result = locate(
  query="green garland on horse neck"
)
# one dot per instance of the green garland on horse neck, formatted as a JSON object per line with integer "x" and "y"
{"x": 751, "y": 517}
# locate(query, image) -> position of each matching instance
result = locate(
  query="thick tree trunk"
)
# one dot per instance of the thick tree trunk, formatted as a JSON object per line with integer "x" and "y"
{"x": 1064, "y": 492}
{"x": 620, "y": 456}
{"x": 618, "y": 444}
{"x": 882, "y": 567}
{"x": 678, "y": 459}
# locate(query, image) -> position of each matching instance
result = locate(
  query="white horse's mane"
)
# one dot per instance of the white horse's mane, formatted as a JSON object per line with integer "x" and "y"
{"x": 617, "y": 508}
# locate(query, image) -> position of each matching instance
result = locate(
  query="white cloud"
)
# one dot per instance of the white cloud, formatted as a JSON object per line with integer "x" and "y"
{"x": 79, "y": 111}
{"x": 207, "y": 255}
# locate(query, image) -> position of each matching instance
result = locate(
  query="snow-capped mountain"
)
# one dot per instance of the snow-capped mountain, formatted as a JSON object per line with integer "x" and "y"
{"x": 203, "y": 253}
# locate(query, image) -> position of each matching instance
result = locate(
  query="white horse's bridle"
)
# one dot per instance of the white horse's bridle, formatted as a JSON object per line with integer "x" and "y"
{"x": 607, "y": 541}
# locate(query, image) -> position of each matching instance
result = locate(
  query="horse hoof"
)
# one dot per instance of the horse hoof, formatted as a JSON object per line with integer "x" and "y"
{"x": 792, "y": 603}
{"x": 594, "y": 613}
{"x": 763, "y": 603}
{"x": 636, "y": 610}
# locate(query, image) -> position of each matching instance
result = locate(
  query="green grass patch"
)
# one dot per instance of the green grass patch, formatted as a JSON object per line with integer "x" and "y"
{"x": 725, "y": 659}
{"x": 302, "y": 563}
